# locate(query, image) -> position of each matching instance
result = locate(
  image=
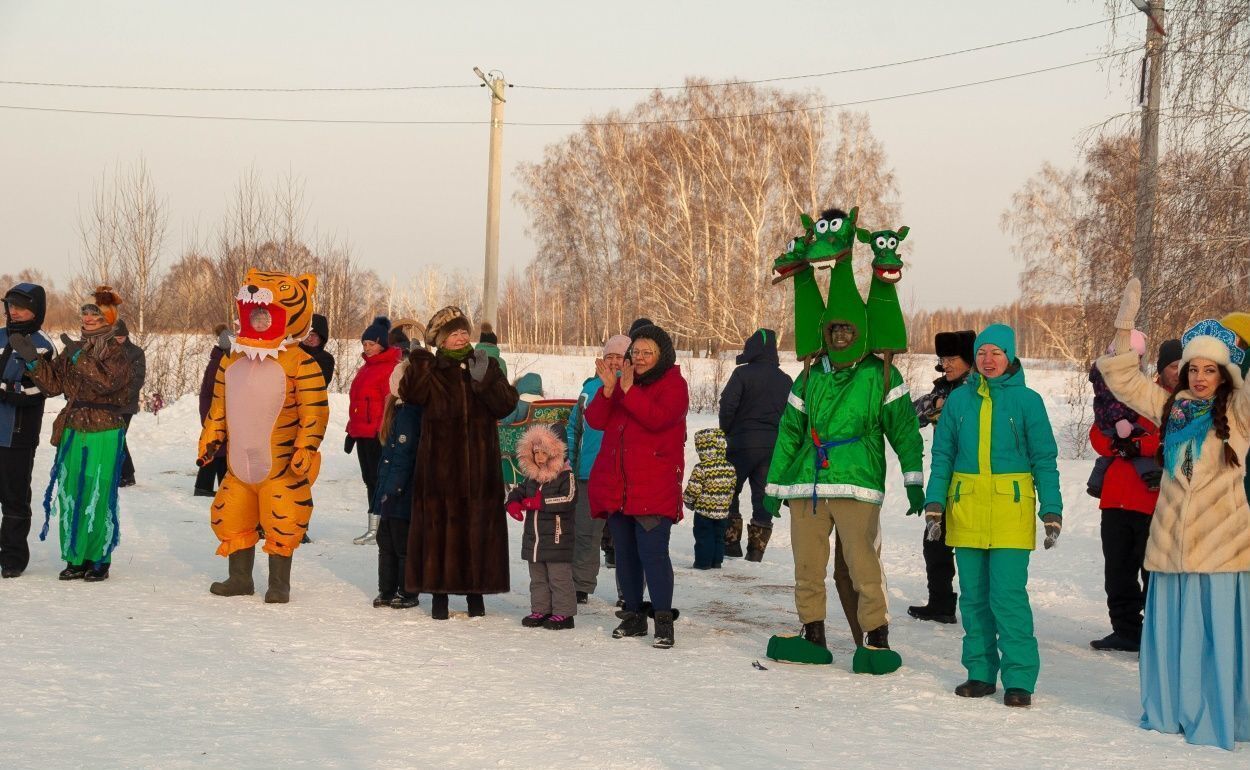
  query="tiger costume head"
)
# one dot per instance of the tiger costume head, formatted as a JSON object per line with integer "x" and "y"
{"x": 275, "y": 311}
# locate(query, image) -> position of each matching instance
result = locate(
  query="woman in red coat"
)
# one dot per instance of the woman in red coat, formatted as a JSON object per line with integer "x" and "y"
{"x": 368, "y": 393}
{"x": 1127, "y": 502}
{"x": 635, "y": 482}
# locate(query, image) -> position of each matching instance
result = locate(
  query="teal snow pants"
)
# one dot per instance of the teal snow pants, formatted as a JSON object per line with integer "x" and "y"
{"x": 998, "y": 621}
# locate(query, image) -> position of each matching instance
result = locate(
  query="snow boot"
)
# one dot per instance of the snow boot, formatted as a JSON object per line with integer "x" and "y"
{"x": 279, "y": 580}
{"x": 663, "y": 630}
{"x": 757, "y": 541}
{"x": 632, "y": 624}
{"x": 1116, "y": 642}
{"x": 74, "y": 571}
{"x": 239, "y": 583}
{"x": 204, "y": 492}
{"x": 477, "y": 605}
{"x": 1017, "y": 697}
{"x": 534, "y": 619}
{"x": 438, "y": 607}
{"x": 583, "y": 597}
{"x": 733, "y": 538}
{"x": 932, "y": 611}
{"x": 609, "y": 556}
{"x": 10, "y": 572}
{"x": 371, "y": 533}
{"x": 558, "y": 622}
{"x": 814, "y": 632}
{"x": 99, "y": 571}
{"x": 974, "y": 688}
{"x": 404, "y": 601}
{"x": 383, "y": 600}
{"x": 876, "y": 657}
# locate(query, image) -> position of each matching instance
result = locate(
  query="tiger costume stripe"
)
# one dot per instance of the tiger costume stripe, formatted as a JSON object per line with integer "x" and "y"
{"x": 270, "y": 408}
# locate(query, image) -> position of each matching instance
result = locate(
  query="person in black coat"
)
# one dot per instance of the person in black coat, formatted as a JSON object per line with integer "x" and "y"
{"x": 750, "y": 410}
{"x": 315, "y": 345}
{"x": 210, "y": 474}
{"x": 138, "y": 373}
{"x": 955, "y": 360}
{"x": 21, "y": 419}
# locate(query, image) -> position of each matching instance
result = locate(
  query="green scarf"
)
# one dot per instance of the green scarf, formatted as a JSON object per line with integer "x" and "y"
{"x": 457, "y": 355}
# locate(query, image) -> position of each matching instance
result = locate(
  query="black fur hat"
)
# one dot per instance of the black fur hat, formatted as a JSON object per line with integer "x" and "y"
{"x": 955, "y": 344}
{"x": 668, "y": 355}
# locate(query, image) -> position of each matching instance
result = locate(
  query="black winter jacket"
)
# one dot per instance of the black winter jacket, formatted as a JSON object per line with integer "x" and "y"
{"x": 756, "y": 394}
{"x": 549, "y": 530}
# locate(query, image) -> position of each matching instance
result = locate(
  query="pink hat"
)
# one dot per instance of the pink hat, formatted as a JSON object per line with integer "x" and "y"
{"x": 1137, "y": 341}
{"x": 617, "y": 344}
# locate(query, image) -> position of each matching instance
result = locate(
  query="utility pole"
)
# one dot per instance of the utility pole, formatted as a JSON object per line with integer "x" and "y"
{"x": 1148, "y": 150}
{"x": 490, "y": 276}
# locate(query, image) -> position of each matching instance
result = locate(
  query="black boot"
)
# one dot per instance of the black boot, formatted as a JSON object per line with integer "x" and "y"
{"x": 975, "y": 689}
{"x": 814, "y": 632}
{"x": 239, "y": 583}
{"x": 74, "y": 571}
{"x": 279, "y": 580}
{"x": 99, "y": 571}
{"x": 403, "y": 601}
{"x": 632, "y": 624}
{"x": 733, "y": 538}
{"x": 931, "y": 611}
{"x": 583, "y": 597}
{"x": 477, "y": 606}
{"x": 383, "y": 600}
{"x": 609, "y": 556}
{"x": 1116, "y": 642}
{"x": 878, "y": 638}
{"x": 757, "y": 541}
{"x": 1017, "y": 697}
{"x": 663, "y": 630}
{"x": 438, "y": 607}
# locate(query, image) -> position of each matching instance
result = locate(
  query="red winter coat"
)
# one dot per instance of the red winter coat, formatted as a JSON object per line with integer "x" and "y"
{"x": 1122, "y": 487}
{"x": 368, "y": 394}
{"x": 642, "y": 458}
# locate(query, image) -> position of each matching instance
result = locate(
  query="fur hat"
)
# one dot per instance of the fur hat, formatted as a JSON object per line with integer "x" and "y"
{"x": 1169, "y": 353}
{"x": 378, "y": 331}
{"x": 667, "y": 357}
{"x": 488, "y": 335}
{"x": 947, "y": 344}
{"x": 1211, "y": 340}
{"x": 542, "y": 437}
{"x": 639, "y": 323}
{"x": 397, "y": 338}
{"x": 617, "y": 344}
{"x": 105, "y": 301}
{"x": 443, "y": 323}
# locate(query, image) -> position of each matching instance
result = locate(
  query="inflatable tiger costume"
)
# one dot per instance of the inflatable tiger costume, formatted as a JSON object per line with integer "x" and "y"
{"x": 270, "y": 408}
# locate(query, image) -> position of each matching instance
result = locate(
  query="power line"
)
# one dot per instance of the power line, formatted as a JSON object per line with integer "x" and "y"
{"x": 444, "y": 86}
{"x": 866, "y": 68}
{"x": 384, "y": 122}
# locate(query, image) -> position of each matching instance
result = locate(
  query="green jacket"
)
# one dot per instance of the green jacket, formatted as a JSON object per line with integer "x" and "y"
{"x": 994, "y": 461}
{"x": 844, "y": 407}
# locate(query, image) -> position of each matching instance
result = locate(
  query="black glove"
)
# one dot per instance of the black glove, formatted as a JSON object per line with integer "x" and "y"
{"x": 348, "y": 443}
{"x": 69, "y": 346}
{"x": 1126, "y": 448}
{"x": 22, "y": 345}
{"x": 479, "y": 362}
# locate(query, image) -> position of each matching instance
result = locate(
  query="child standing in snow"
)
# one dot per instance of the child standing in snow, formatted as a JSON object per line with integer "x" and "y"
{"x": 708, "y": 494}
{"x": 400, "y": 433}
{"x": 1119, "y": 424}
{"x": 545, "y": 501}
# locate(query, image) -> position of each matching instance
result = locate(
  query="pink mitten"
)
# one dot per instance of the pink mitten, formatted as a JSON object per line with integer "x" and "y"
{"x": 514, "y": 510}
{"x": 1123, "y": 428}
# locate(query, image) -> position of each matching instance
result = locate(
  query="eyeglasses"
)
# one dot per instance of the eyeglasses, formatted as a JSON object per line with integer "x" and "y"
{"x": 643, "y": 353}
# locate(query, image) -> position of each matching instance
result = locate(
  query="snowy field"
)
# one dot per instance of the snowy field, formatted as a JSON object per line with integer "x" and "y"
{"x": 150, "y": 670}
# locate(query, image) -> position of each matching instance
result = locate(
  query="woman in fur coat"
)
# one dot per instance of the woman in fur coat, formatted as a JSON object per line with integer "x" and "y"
{"x": 458, "y": 537}
{"x": 1195, "y": 645}
{"x": 544, "y": 500}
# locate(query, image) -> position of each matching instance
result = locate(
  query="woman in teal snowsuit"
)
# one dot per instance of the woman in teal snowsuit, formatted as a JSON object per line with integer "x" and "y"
{"x": 993, "y": 472}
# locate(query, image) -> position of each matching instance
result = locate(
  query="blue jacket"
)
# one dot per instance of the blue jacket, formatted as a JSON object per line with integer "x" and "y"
{"x": 21, "y": 401}
{"x": 583, "y": 441}
{"x": 392, "y": 496}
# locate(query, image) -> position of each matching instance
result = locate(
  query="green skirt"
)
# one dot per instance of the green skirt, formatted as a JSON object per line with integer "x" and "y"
{"x": 83, "y": 490}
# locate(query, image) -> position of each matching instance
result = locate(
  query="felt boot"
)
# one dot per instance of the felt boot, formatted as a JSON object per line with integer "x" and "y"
{"x": 757, "y": 541}
{"x": 239, "y": 583}
{"x": 733, "y": 538}
{"x": 279, "y": 580}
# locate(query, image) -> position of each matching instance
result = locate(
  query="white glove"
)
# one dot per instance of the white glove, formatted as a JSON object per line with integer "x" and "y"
{"x": 1126, "y": 318}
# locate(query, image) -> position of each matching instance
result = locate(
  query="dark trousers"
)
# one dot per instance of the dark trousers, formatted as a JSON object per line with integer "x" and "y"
{"x": 369, "y": 453}
{"x": 128, "y": 463}
{"x": 751, "y": 464}
{"x": 709, "y": 541}
{"x": 16, "y": 466}
{"x": 210, "y": 476}
{"x": 587, "y": 537}
{"x": 939, "y": 567}
{"x": 392, "y": 553}
{"x": 641, "y": 553}
{"x": 1124, "y": 535}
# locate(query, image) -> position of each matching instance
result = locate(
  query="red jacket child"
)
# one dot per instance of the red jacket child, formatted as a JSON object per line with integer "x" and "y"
{"x": 1122, "y": 486}
{"x": 368, "y": 393}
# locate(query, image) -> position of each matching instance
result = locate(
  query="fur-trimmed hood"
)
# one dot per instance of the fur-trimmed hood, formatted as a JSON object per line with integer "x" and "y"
{"x": 540, "y": 436}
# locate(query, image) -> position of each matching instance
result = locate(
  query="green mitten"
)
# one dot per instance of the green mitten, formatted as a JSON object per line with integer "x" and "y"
{"x": 796, "y": 649}
{"x": 875, "y": 662}
{"x": 773, "y": 506}
{"x": 915, "y": 499}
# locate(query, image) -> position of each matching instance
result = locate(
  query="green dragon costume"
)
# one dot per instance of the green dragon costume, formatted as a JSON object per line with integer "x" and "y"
{"x": 829, "y": 461}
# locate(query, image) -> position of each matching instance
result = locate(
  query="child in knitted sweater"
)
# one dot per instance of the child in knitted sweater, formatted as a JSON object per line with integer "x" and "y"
{"x": 708, "y": 494}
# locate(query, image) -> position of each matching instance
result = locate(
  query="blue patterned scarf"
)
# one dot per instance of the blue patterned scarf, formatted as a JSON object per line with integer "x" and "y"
{"x": 1189, "y": 422}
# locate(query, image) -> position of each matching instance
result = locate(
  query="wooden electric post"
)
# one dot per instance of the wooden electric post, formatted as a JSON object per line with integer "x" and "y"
{"x": 490, "y": 277}
{"x": 1148, "y": 154}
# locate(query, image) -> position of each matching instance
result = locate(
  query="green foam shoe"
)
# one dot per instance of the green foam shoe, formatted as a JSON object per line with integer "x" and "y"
{"x": 875, "y": 662}
{"x": 796, "y": 649}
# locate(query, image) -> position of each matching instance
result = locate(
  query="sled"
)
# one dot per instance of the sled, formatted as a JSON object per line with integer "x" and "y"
{"x": 552, "y": 411}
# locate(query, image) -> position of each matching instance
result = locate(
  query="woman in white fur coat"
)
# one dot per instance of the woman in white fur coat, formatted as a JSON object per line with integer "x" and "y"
{"x": 1195, "y": 650}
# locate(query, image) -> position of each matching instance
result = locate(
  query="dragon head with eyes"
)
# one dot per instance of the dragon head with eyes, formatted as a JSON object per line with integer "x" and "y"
{"x": 275, "y": 311}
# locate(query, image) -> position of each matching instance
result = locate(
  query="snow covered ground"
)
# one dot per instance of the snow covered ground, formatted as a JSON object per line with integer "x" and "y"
{"x": 150, "y": 670}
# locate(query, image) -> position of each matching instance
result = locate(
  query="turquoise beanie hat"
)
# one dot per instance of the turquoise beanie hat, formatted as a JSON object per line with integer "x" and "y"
{"x": 999, "y": 335}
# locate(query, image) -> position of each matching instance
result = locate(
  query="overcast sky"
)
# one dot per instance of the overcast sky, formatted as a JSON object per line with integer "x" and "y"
{"x": 406, "y": 196}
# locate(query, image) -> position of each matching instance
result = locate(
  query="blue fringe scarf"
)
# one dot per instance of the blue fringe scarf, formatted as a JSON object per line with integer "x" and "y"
{"x": 1189, "y": 422}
